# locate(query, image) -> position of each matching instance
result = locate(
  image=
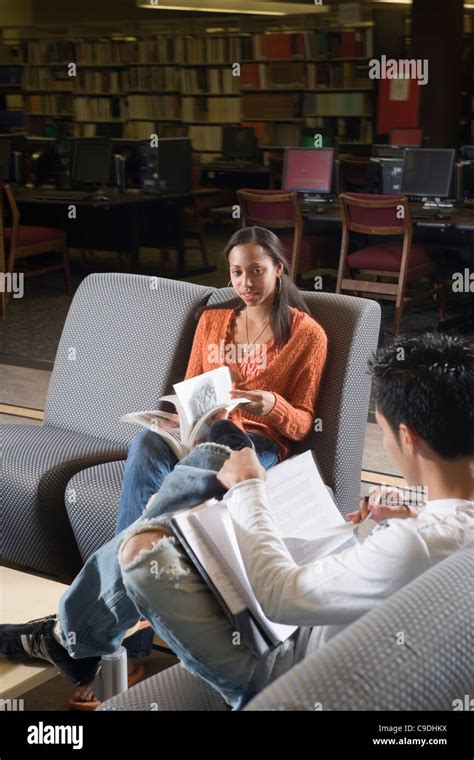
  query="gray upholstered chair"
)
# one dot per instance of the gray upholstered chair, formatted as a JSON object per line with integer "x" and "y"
{"x": 352, "y": 326}
{"x": 125, "y": 340}
{"x": 413, "y": 652}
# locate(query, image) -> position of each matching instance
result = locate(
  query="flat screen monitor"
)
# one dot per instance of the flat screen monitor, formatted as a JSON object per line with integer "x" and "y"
{"x": 388, "y": 151}
{"x": 308, "y": 170}
{"x": 428, "y": 173}
{"x": 5, "y": 155}
{"x": 91, "y": 162}
{"x": 239, "y": 142}
{"x": 410, "y": 137}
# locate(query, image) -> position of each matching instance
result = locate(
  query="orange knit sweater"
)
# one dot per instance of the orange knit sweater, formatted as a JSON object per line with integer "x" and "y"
{"x": 293, "y": 375}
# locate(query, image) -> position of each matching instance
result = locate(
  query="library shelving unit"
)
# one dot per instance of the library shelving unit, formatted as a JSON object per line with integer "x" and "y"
{"x": 11, "y": 97}
{"x": 285, "y": 81}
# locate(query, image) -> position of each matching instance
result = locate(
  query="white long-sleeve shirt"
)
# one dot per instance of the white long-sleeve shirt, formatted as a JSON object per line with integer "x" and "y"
{"x": 332, "y": 592}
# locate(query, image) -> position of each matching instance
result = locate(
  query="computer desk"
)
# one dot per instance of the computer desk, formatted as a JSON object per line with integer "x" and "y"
{"x": 107, "y": 217}
{"x": 461, "y": 221}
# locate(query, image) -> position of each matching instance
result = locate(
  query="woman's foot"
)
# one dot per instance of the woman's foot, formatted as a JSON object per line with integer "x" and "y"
{"x": 84, "y": 693}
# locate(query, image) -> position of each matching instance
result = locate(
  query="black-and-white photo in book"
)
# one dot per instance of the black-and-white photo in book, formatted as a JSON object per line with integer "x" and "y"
{"x": 199, "y": 401}
{"x": 305, "y": 517}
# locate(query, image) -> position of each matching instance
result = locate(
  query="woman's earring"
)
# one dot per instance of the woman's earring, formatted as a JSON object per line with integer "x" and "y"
{"x": 278, "y": 285}
{"x": 229, "y": 284}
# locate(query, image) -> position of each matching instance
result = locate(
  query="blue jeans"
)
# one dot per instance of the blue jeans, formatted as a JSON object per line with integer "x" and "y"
{"x": 149, "y": 461}
{"x": 162, "y": 585}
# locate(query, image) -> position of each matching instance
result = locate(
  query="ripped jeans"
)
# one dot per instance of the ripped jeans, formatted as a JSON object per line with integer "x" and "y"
{"x": 162, "y": 585}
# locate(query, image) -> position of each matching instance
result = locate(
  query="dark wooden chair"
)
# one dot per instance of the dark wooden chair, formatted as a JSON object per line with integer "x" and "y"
{"x": 403, "y": 261}
{"x": 20, "y": 242}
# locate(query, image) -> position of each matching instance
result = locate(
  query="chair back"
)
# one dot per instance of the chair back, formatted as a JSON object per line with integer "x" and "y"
{"x": 376, "y": 214}
{"x": 369, "y": 667}
{"x": 126, "y": 339}
{"x": 275, "y": 210}
{"x": 412, "y": 136}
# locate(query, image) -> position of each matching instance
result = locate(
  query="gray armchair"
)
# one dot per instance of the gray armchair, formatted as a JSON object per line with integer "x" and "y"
{"x": 369, "y": 666}
{"x": 125, "y": 339}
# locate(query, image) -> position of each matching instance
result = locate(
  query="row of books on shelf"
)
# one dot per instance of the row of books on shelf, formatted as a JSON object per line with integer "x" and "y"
{"x": 11, "y": 101}
{"x": 204, "y": 138}
{"x": 321, "y": 75}
{"x": 216, "y": 81}
{"x": 58, "y": 103}
{"x": 100, "y": 109}
{"x": 337, "y": 104}
{"x": 279, "y": 74}
{"x": 153, "y": 107}
{"x": 271, "y": 106}
{"x": 153, "y": 78}
{"x": 346, "y": 129}
{"x": 211, "y": 109}
{"x": 346, "y": 43}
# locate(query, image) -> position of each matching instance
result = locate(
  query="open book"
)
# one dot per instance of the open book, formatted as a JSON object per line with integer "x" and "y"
{"x": 305, "y": 517}
{"x": 199, "y": 401}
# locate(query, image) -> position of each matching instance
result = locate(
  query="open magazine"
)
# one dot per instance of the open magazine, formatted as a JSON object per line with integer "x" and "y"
{"x": 305, "y": 517}
{"x": 199, "y": 401}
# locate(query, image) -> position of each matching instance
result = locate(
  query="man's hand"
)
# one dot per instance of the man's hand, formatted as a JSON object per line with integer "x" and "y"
{"x": 261, "y": 402}
{"x": 385, "y": 503}
{"x": 241, "y": 465}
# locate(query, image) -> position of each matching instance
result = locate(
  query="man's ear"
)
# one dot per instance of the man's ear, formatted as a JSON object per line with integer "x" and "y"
{"x": 407, "y": 437}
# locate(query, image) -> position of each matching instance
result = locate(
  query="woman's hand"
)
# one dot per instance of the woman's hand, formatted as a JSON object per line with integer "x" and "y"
{"x": 262, "y": 402}
{"x": 384, "y": 503}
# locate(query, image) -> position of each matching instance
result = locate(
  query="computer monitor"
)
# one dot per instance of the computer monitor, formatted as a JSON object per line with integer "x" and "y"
{"x": 428, "y": 173}
{"x": 404, "y": 136}
{"x": 5, "y": 157}
{"x": 239, "y": 143}
{"x": 308, "y": 170}
{"x": 91, "y": 162}
{"x": 388, "y": 151}
{"x": 467, "y": 152}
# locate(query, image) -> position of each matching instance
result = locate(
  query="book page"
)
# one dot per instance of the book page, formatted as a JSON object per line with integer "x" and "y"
{"x": 303, "y": 511}
{"x": 218, "y": 527}
{"x": 200, "y": 394}
{"x": 299, "y": 501}
{"x": 208, "y": 560}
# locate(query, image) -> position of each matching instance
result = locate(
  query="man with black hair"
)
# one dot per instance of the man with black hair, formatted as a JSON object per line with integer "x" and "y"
{"x": 424, "y": 391}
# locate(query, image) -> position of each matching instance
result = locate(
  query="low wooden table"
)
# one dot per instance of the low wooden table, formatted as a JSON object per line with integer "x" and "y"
{"x": 25, "y": 597}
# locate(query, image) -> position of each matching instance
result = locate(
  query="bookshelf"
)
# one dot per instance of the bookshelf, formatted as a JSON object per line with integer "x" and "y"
{"x": 11, "y": 87}
{"x": 185, "y": 83}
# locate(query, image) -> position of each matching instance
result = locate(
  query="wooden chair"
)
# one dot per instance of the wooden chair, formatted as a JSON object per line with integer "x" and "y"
{"x": 275, "y": 163}
{"x": 24, "y": 241}
{"x": 196, "y": 215}
{"x": 277, "y": 210}
{"x": 412, "y": 136}
{"x": 353, "y": 172}
{"x": 404, "y": 261}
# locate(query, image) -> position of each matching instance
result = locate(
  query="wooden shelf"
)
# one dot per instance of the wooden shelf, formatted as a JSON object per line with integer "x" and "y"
{"x": 28, "y": 113}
